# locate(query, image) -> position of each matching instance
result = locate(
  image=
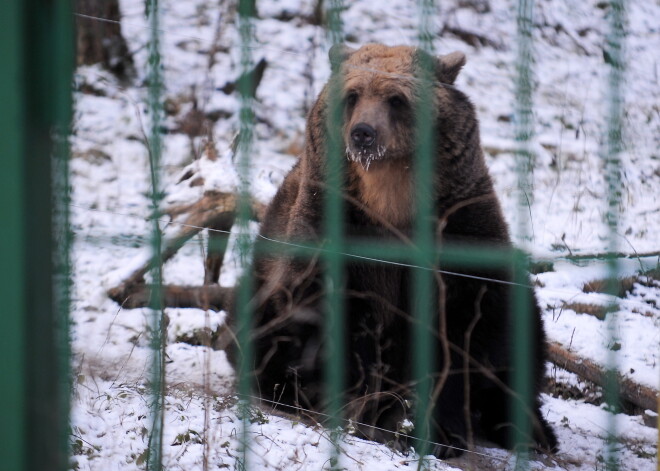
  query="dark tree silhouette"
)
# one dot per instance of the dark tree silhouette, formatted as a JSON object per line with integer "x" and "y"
{"x": 99, "y": 38}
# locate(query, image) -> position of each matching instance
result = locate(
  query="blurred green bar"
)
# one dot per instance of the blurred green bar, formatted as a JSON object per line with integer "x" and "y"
{"x": 334, "y": 236}
{"x": 36, "y": 43}
{"x": 522, "y": 363}
{"x": 158, "y": 326}
{"x": 423, "y": 235}
{"x": 49, "y": 46}
{"x": 521, "y": 297}
{"x": 614, "y": 57}
{"x": 60, "y": 87}
{"x": 13, "y": 439}
{"x": 246, "y": 11}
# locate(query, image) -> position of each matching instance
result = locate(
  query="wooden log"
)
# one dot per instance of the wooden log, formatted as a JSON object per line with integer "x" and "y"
{"x": 213, "y": 297}
{"x": 641, "y": 396}
{"x": 135, "y": 280}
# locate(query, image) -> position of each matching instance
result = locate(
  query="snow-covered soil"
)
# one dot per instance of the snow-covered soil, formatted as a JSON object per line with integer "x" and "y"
{"x": 110, "y": 210}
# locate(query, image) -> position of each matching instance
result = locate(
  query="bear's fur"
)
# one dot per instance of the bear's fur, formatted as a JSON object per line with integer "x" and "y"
{"x": 379, "y": 93}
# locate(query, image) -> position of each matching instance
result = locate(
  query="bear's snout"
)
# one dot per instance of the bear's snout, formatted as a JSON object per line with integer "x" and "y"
{"x": 363, "y": 135}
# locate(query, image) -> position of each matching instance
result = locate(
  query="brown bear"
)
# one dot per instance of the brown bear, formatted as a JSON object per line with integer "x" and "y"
{"x": 379, "y": 94}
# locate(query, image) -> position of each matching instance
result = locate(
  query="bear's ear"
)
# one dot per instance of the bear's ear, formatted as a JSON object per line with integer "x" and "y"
{"x": 339, "y": 53}
{"x": 449, "y": 66}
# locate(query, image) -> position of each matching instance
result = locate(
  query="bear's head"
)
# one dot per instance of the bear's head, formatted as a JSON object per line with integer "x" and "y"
{"x": 374, "y": 97}
{"x": 380, "y": 90}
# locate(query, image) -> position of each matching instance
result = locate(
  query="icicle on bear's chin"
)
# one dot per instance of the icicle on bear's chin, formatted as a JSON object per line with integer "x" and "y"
{"x": 365, "y": 156}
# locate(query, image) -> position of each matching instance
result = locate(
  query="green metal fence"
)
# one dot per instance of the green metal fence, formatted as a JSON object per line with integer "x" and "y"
{"x": 246, "y": 11}
{"x": 36, "y": 44}
{"x": 36, "y": 41}
{"x": 158, "y": 325}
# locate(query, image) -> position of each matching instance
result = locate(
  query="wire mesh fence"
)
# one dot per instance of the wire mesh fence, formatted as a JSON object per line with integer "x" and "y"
{"x": 426, "y": 267}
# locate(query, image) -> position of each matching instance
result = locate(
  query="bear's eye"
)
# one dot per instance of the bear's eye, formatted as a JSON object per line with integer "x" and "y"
{"x": 397, "y": 101}
{"x": 351, "y": 99}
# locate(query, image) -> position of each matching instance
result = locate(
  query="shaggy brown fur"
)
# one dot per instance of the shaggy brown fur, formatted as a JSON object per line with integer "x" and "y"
{"x": 379, "y": 94}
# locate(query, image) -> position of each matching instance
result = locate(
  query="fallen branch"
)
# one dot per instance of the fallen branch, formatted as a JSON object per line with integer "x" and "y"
{"x": 254, "y": 79}
{"x": 637, "y": 394}
{"x": 472, "y": 38}
{"x": 213, "y": 297}
{"x": 215, "y": 211}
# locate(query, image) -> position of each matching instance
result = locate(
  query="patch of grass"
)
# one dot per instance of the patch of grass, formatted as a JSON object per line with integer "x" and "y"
{"x": 81, "y": 447}
{"x": 584, "y": 391}
{"x": 252, "y": 413}
{"x": 641, "y": 453}
{"x": 541, "y": 266}
{"x": 650, "y": 278}
{"x": 189, "y": 436}
{"x": 623, "y": 286}
{"x": 222, "y": 403}
{"x": 615, "y": 346}
{"x": 142, "y": 458}
{"x": 595, "y": 310}
{"x": 198, "y": 337}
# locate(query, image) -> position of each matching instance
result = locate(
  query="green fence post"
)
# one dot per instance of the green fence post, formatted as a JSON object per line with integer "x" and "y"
{"x": 613, "y": 144}
{"x": 334, "y": 242}
{"x": 35, "y": 87}
{"x": 423, "y": 235}
{"x": 158, "y": 327}
{"x": 13, "y": 440}
{"x": 521, "y": 304}
{"x": 48, "y": 73}
{"x": 60, "y": 89}
{"x": 247, "y": 12}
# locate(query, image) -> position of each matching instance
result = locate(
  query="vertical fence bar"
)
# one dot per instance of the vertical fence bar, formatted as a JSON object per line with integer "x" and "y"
{"x": 521, "y": 296}
{"x": 48, "y": 68}
{"x": 158, "y": 326}
{"x": 63, "y": 44}
{"x": 334, "y": 235}
{"x": 13, "y": 442}
{"x": 611, "y": 151}
{"x": 524, "y": 119}
{"x": 246, "y": 11}
{"x": 423, "y": 308}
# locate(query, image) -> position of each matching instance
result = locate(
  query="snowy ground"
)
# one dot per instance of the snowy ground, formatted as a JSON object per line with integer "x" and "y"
{"x": 110, "y": 208}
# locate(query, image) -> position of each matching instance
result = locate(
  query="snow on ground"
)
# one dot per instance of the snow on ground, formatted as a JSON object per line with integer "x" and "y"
{"x": 110, "y": 209}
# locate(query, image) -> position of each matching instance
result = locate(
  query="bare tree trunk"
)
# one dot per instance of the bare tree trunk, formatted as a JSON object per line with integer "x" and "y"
{"x": 99, "y": 38}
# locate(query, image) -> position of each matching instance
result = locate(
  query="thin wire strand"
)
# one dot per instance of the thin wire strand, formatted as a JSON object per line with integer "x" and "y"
{"x": 320, "y": 249}
{"x": 394, "y": 432}
{"x": 356, "y": 256}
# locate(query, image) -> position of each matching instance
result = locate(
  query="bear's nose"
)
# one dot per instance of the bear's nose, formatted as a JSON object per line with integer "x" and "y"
{"x": 363, "y": 135}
